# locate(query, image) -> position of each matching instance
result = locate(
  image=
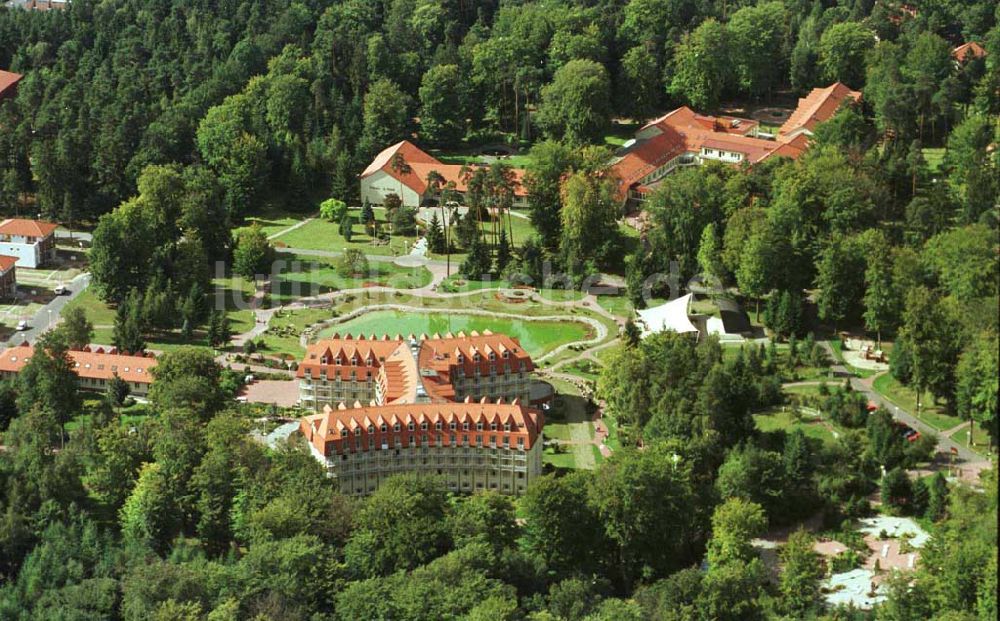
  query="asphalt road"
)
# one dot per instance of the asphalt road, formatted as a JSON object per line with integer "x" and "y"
{"x": 945, "y": 445}
{"x": 50, "y": 312}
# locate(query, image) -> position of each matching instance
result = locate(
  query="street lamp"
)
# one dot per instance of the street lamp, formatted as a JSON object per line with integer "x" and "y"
{"x": 50, "y": 318}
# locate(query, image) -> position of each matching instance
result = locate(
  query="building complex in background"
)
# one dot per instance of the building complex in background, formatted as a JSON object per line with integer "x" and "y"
{"x": 685, "y": 138}
{"x": 403, "y": 169}
{"x": 456, "y": 406}
{"x": 95, "y": 366}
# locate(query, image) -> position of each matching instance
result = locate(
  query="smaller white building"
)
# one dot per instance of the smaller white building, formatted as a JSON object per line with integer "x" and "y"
{"x": 403, "y": 170}
{"x": 32, "y": 242}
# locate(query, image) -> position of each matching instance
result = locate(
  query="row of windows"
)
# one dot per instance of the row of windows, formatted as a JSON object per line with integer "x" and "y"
{"x": 453, "y": 426}
{"x": 453, "y": 441}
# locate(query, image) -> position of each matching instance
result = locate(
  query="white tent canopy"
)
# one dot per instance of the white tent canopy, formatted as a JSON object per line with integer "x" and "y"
{"x": 670, "y": 316}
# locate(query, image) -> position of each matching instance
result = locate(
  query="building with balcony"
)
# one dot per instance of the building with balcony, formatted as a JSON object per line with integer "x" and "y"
{"x": 455, "y": 406}
{"x": 471, "y": 446}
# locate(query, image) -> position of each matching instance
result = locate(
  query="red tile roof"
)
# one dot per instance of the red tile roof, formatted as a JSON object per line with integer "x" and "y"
{"x": 390, "y": 362}
{"x": 326, "y": 431}
{"x": 27, "y": 228}
{"x": 89, "y": 363}
{"x": 8, "y": 82}
{"x": 685, "y": 131}
{"x": 7, "y": 263}
{"x": 818, "y": 106}
{"x": 968, "y": 51}
{"x": 421, "y": 164}
{"x": 441, "y": 358}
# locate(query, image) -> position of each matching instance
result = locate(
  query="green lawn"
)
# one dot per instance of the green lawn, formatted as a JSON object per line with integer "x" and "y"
{"x": 618, "y": 305}
{"x": 566, "y": 460}
{"x": 775, "y": 420}
{"x": 808, "y": 389}
{"x": 304, "y": 276}
{"x": 519, "y": 160}
{"x": 586, "y": 369}
{"x": 320, "y": 234}
{"x": 906, "y": 398}
{"x": 619, "y": 133}
{"x": 557, "y": 431}
{"x": 537, "y": 337}
{"x": 97, "y": 311}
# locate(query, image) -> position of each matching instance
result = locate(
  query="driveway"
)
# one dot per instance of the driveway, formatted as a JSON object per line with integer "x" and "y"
{"x": 50, "y": 312}
{"x": 945, "y": 444}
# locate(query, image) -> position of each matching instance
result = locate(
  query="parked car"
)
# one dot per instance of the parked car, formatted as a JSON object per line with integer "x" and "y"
{"x": 22, "y": 325}
{"x": 61, "y": 290}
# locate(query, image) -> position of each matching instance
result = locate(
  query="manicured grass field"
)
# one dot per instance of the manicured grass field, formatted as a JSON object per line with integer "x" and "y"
{"x": 320, "y": 234}
{"x": 557, "y": 431}
{"x": 906, "y": 398}
{"x": 537, "y": 337}
{"x": 308, "y": 276}
{"x": 566, "y": 461}
{"x": 618, "y": 305}
{"x": 97, "y": 311}
{"x": 784, "y": 420}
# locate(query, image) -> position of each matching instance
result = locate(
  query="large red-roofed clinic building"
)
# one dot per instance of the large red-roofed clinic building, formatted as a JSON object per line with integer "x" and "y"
{"x": 453, "y": 406}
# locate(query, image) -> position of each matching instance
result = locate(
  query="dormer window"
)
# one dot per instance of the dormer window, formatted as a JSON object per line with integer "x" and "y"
{"x": 453, "y": 426}
{"x": 343, "y": 433}
{"x": 357, "y": 432}
{"x": 506, "y": 354}
{"x": 465, "y": 426}
{"x": 423, "y": 426}
{"x": 396, "y": 427}
{"x": 477, "y": 357}
{"x": 479, "y": 426}
{"x": 493, "y": 356}
{"x": 338, "y": 361}
{"x": 506, "y": 427}
{"x": 371, "y": 428}
{"x": 410, "y": 426}
{"x": 383, "y": 428}
{"x": 493, "y": 426}
{"x": 460, "y": 358}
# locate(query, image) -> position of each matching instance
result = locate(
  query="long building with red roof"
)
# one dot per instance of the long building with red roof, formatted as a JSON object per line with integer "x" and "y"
{"x": 95, "y": 366}
{"x": 385, "y": 175}
{"x": 684, "y": 137}
{"x": 453, "y": 405}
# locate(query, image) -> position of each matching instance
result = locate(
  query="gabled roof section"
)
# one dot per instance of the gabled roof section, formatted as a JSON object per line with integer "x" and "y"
{"x": 6, "y": 263}
{"x": 818, "y": 106}
{"x": 968, "y": 51}
{"x": 27, "y": 228}
{"x": 8, "y": 80}
{"x": 421, "y": 164}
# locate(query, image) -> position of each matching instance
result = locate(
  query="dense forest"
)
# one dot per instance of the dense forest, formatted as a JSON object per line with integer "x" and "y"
{"x": 165, "y": 123}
